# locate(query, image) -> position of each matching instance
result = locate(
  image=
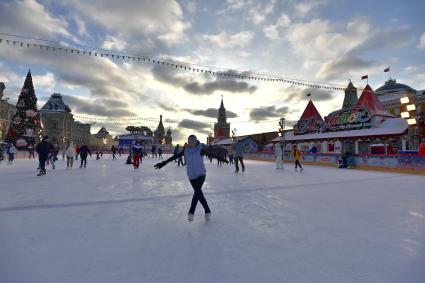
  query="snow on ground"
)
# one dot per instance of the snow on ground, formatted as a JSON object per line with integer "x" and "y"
{"x": 107, "y": 223}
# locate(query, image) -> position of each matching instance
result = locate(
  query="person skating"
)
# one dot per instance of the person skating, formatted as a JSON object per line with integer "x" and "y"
{"x": 70, "y": 155}
{"x": 137, "y": 154}
{"x": 231, "y": 156}
{"x": 129, "y": 161}
{"x": 176, "y": 150}
{"x": 52, "y": 157}
{"x": 153, "y": 151}
{"x": 31, "y": 151}
{"x": 238, "y": 155}
{"x": 180, "y": 159}
{"x": 222, "y": 153}
{"x": 11, "y": 151}
{"x": 84, "y": 151}
{"x": 297, "y": 157}
{"x": 210, "y": 148}
{"x": 1, "y": 153}
{"x": 43, "y": 150}
{"x": 114, "y": 151}
{"x": 77, "y": 150}
{"x": 278, "y": 155}
{"x": 196, "y": 172}
{"x": 64, "y": 152}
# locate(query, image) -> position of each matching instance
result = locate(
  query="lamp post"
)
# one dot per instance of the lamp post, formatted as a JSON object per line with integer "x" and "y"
{"x": 234, "y": 132}
{"x": 282, "y": 124}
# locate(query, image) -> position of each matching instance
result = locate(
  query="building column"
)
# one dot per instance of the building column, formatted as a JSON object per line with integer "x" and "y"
{"x": 403, "y": 144}
{"x": 325, "y": 147}
{"x": 356, "y": 147}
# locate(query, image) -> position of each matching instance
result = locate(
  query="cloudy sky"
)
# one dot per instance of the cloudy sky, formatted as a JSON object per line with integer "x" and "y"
{"x": 326, "y": 41}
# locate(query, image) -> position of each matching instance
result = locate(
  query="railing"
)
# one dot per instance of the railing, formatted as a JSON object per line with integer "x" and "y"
{"x": 390, "y": 161}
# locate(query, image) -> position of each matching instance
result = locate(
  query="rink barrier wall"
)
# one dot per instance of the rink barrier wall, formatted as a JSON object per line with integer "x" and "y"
{"x": 402, "y": 163}
{"x": 23, "y": 154}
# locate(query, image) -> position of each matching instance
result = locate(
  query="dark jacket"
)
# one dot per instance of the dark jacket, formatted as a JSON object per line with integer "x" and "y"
{"x": 137, "y": 149}
{"x": 84, "y": 150}
{"x": 44, "y": 148}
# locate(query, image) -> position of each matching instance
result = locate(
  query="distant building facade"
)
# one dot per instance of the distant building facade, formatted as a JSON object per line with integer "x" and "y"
{"x": 7, "y": 111}
{"x": 168, "y": 137}
{"x": 59, "y": 124}
{"x": 390, "y": 94}
{"x": 159, "y": 133}
{"x": 102, "y": 139}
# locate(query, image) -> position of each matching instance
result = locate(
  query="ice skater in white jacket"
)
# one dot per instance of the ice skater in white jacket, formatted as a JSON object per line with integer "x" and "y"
{"x": 194, "y": 154}
{"x": 278, "y": 155}
{"x": 70, "y": 155}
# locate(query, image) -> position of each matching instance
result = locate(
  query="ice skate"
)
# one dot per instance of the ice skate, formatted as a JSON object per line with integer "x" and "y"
{"x": 302, "y": 169}
{"x": 41, "y": 173}
{"x": 190, "y": 217}
{"x": 207, "y": 216}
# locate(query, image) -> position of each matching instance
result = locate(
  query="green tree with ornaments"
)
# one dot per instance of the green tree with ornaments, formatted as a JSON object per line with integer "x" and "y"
{"x": 25, "y": 127}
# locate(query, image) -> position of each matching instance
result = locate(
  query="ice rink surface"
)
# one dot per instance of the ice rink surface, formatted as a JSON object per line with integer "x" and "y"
{"x": 108, "y": 223}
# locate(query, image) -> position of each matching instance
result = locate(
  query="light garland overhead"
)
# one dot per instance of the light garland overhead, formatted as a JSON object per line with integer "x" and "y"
{"x": 55, "y": 46}
{"x": 126, "y": 119}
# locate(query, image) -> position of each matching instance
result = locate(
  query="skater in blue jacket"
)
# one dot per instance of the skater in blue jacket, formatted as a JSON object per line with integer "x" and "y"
{"x": 193, "y": 153}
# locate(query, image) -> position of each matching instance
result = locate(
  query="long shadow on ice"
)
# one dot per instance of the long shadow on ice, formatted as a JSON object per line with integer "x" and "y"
{"x": 129, "y": 200}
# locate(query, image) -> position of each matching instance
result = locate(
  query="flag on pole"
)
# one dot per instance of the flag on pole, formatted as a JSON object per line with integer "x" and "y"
{"x": 365, "y": 77}
{"x": 387, "y": 70}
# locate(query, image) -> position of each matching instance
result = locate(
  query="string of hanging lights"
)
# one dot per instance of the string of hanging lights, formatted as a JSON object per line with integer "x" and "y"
{"x": 55, "y": 46}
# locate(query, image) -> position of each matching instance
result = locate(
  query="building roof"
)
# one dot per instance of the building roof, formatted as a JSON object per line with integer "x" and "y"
{"x": 102, "y": 133}
{"x": 134, "y": 137}
{"x": 227, "y": 141}
{"x": 392, "y": 86}
{"x": 310, "y": 112}
{"x": 350, "y": 96}
{"x": 55, "y": 104}
{"x": 389, "y": 127}
{"x": 369, "y": 100}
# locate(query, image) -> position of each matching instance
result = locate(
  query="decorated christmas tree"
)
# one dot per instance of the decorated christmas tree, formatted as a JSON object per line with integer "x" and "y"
{"x": 25, "y": 123}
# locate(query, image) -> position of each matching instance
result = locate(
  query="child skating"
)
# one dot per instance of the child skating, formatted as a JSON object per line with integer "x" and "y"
{"x": 297, "y": 157}
{"x": 137, "y": 155}
{"x": 196, "y": 172}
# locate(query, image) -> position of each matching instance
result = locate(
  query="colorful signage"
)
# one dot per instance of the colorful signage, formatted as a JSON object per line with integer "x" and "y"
{"x": 304, "y": 126}
{"x": 347, "y": 119}
{"x": 353, "y": 118}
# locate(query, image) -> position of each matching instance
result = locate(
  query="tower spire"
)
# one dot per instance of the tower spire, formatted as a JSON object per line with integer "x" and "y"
{"x": 221, "y": 128}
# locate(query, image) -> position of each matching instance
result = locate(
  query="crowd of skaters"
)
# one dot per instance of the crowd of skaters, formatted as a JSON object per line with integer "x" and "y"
{"x": 71, "y": 152}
